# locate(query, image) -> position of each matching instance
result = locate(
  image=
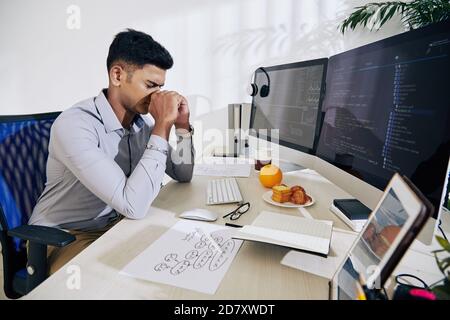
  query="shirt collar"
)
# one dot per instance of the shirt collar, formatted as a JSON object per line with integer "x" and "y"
{"x": 138, "y": 123}
{"x": 109, "y": 118}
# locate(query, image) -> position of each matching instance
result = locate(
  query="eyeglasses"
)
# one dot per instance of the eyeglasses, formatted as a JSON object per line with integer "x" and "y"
{"x": 236, "y": 214}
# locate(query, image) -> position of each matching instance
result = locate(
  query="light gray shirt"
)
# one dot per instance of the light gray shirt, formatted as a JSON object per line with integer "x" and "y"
{"x": 97, "y": 170}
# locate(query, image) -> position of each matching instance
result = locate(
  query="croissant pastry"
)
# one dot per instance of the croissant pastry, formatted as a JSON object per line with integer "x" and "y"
{"x": 300, "y": 197}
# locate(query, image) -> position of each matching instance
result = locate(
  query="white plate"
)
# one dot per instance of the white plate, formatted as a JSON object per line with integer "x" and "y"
{"x": 267, "y": 197}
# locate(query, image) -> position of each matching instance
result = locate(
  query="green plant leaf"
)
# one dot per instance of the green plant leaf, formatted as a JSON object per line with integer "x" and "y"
{"x": 445, "y": 263}
{"x": 383, "y": 11}
{"x": 414, "y": 14}
{"x": 443, "y": 243}
{"x": 420, "y": 13}
{"x": 389, "y": 15}
{"x": 438, "y": 262}
{"x": 361, "y": 15}
{"x": 442, "y": 292}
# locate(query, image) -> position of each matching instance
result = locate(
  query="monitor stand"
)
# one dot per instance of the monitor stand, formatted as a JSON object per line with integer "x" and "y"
{"x": 224, "y": 152}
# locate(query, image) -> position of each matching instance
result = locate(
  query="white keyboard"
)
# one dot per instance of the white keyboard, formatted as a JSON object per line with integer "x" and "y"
{"x": 221, "y": 191}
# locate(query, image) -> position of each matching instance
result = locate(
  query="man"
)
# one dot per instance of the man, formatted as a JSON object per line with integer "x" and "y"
{"x": 106, "y": 158}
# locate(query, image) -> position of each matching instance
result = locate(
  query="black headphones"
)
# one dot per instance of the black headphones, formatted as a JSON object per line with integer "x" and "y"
{"x": 265, "y": 89}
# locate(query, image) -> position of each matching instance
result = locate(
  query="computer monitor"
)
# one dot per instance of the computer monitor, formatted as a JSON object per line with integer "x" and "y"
{"x": 292, "y": 105}
{"x": 387, "y": 110}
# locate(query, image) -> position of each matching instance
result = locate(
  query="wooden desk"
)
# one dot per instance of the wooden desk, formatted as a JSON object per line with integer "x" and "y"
{"x": 256, "y": 272}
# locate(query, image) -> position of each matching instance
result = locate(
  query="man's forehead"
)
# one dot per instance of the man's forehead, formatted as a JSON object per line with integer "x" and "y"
{"x": 153, "y": 73}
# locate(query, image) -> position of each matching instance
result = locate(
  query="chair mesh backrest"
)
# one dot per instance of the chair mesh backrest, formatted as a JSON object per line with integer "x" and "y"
{"x": 23, "y": 159}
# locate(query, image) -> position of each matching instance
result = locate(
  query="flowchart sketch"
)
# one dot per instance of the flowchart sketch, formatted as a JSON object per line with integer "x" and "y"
{"x": 192, "y": 255}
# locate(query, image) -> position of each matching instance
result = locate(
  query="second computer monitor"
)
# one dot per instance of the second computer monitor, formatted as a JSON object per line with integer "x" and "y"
{"x": 292, "y": 106}
{"x": 387, "y": 110}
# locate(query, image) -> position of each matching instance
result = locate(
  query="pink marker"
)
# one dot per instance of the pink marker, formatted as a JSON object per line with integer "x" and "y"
{"x": 423, "y": 294}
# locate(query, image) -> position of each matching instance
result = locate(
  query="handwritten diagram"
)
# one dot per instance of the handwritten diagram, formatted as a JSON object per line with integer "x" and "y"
{"x": 209, "y": 250}
{"x": 191, "y": 254}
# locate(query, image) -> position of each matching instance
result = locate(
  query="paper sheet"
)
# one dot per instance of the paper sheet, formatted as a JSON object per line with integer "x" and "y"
{"x": 223, "y": 167}
{"x": 192, "y": 255}
{"x": 221, "y": 170}
{"x": 341, "y": 241}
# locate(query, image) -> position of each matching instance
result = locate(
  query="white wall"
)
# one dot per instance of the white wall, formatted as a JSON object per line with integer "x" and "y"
{"x": 216, "y": 45}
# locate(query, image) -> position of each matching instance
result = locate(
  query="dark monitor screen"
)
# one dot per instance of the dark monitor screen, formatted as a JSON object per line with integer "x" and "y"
{"x": 293, "y": 104}
{"x": 387, "y": 110}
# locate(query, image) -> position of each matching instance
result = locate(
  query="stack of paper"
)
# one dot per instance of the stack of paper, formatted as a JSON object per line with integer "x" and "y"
{"x": 223, "y": 167}
{"x": 325, "y": 267}
{"x": 289, "y": 231}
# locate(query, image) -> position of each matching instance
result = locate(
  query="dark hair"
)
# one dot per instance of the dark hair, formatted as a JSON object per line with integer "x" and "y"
{"x": 138, "y": 48}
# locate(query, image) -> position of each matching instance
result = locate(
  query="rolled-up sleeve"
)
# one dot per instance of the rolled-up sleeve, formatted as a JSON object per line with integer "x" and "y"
{"x": 76, "y": 146}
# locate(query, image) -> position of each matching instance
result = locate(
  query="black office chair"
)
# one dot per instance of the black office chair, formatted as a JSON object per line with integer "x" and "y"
{"x": 23, "y": 158}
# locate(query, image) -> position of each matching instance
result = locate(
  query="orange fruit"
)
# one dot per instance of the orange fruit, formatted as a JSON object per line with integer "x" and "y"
{"x": 270, "y": 175}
